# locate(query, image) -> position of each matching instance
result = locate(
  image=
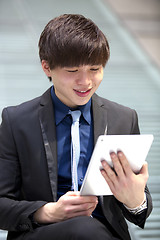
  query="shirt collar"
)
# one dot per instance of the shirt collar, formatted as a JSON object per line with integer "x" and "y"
{"x": 61, "y": 110}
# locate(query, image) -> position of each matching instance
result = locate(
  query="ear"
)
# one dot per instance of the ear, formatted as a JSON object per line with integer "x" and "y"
{"x": 46, "y": 68}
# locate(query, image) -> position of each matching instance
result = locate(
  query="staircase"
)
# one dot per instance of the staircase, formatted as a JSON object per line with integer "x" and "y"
{"x": 130, "y": 77}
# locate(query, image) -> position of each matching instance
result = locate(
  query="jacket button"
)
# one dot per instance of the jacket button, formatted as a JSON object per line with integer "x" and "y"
{"x": 24, "y": 227}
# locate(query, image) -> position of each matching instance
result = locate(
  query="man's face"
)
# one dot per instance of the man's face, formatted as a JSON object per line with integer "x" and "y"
{"x": 74, "y": 86}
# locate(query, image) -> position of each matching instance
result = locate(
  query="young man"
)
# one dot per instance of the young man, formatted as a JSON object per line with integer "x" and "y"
{"x": 36, "y": 197}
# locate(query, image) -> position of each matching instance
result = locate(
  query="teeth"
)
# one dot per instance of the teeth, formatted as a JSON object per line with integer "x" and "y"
{"x": 83, "y": 91}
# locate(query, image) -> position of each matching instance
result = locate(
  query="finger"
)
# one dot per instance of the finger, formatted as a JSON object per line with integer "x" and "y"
{"x": 88, "y": 199}
{"x": 109, "y": 175}
{"x": 110, "y": 183}
{"x": 81, "y": 209}
{"x": 75, "y": 198}
{"x": 117, "y": 164}
{"x": 125, "y": 164}
{"x": 77, "y": 193}
{"x": 72, "y": 193}
{"x": 144, "y": 168}
{"x": 81, "y": 213}
{"x": 84, "y": 207}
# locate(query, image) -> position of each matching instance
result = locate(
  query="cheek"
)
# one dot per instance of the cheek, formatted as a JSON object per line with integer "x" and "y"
{"x": 67, "y": 81}
{"x": 98, "y": 81}
{"x": 99, "y": 78}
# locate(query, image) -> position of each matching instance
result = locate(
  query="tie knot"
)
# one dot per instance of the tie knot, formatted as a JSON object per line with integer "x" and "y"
{"x": 75, "y": 115}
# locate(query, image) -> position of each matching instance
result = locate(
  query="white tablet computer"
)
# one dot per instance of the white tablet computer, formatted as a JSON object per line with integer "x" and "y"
{"x": 135, "y": 147}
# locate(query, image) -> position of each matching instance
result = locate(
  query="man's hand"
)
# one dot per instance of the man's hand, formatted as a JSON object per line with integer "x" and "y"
{"x": 125, "y": 185}
{"x": 68, "y": 206}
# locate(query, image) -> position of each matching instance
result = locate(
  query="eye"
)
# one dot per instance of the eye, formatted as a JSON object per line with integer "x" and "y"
{"x": 94, "y": 69}
{"x": 72, "y": 71}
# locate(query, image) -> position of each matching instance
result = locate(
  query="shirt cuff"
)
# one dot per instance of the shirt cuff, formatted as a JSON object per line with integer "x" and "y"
{"x": 139, "y": 209}
{"x": 34, "y": 223}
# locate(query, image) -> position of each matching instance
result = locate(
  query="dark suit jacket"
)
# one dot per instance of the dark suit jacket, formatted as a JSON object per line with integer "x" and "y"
{"x": 28, "y": 161}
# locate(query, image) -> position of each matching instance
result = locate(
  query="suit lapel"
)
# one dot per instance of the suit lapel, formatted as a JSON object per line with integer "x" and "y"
{"x": 47, "y": 123}
{"x": 99, "y": 117}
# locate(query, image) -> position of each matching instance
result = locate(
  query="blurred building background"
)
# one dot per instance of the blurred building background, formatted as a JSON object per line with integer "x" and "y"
{"x": 132, "y": 76}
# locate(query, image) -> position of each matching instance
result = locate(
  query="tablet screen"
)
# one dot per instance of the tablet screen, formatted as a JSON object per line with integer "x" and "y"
{"x": 135, "y": 147}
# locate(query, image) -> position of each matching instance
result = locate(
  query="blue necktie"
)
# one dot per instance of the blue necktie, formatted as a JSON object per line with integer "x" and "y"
{"x": 75, "y": 147}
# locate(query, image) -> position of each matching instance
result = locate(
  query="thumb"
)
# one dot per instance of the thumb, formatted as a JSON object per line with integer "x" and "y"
{"x": 144, "y": 170}
{"x": 73, "y": 193}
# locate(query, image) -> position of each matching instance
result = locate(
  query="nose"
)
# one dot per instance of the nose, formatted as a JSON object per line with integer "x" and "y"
{"x": 84, "y": 78}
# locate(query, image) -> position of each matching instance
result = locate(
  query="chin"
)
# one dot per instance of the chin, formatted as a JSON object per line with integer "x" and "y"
{"x": 83, "y": 103}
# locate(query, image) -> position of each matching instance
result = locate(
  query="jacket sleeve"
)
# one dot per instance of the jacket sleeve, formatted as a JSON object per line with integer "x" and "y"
{"x": 14, "y": 211}
{"x": 139, "y": 219}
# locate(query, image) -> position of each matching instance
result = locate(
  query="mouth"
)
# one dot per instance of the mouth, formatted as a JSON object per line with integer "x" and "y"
{"x": 82, "y": 93}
